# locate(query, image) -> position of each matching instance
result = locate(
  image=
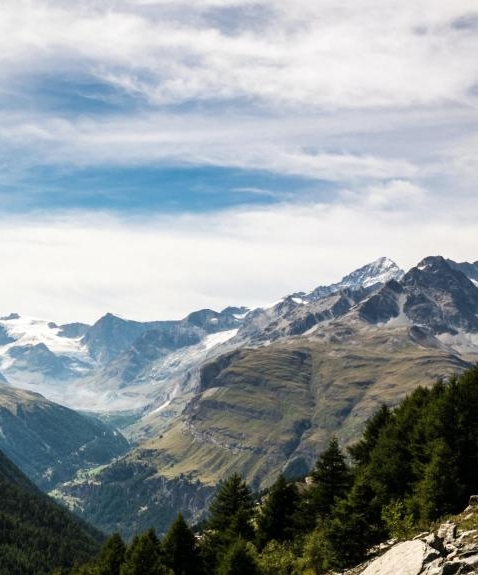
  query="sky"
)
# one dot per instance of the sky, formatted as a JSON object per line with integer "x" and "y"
{"x": 158, "y": 157}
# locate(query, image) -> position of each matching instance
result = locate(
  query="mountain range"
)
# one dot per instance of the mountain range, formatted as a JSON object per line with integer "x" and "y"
{"x": 254, "y": 391}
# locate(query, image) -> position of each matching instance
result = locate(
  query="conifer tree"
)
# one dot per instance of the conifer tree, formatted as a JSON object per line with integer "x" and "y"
{"x": 360, "y": 452}
{"x": 276, "y": 518}
{"x": 332, "y": 479}
{"x": 111, "y": 556}
{"x": 239, "y": 560}
{"x": 180, "y": 550}
{"x": 143, "y": 556}
{"x": 232, "y": 509}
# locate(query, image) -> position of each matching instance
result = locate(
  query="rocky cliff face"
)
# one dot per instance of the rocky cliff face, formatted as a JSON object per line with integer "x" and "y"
{"x": 433, "y": 294}
{"x": 450, "y": 550}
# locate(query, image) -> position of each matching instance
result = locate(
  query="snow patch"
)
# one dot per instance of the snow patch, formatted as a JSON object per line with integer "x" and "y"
{"x": 299, "y": 300}
{"x": 239, "y": 316}
{"x": 214, "y": 339}
{"x": 271, "y": 305}
{"x": 32, "y": 331}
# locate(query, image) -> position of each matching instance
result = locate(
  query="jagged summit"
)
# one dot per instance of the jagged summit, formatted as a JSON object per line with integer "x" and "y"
{"x": 373, "y": 274}
{"x": 381, "y": 270}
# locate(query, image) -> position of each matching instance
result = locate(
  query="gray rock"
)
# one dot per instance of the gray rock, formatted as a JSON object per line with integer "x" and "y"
{"x": 447, "y": 532}
{"x": 403, "y": 559}
{"x": 435, "y": 542}
{"x": 433, "y": 568}
{"x": 431, "y": 555}
{"x": 471, "y": 561}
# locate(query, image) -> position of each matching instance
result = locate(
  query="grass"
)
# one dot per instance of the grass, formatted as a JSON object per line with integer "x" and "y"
{"x": 287, "y": 399}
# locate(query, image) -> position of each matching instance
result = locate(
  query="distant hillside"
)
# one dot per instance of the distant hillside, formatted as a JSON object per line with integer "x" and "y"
{"x": 36, "y": 533}
{"x": 50, "y": 442}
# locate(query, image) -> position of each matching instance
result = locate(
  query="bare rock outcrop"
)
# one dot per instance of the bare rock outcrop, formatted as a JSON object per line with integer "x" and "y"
{"x": 451, "y": 550}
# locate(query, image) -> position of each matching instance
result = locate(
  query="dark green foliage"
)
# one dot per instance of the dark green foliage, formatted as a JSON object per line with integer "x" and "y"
{"x": 143, "y": 556}
{"x": 36, "y": 534}
{"x": 276, "y": 520}
{"x": 232, "y": 509}
{"x": 414, "y": 464}
{"x": 230, "y": 518}
{"x": 360, "y": 452}
{"x": 238, "y": 560}
{"x": 355, "y": 525}
{"x": 180, "y": 549}
{"x": 332, "y": 479}
{"x": 111, "y": 556}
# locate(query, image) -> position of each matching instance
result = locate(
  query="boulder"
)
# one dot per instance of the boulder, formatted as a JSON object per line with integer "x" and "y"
{"x": 406, "y": 558}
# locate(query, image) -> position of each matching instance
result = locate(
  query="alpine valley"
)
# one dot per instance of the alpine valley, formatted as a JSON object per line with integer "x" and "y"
{"x": 139, "y": 420}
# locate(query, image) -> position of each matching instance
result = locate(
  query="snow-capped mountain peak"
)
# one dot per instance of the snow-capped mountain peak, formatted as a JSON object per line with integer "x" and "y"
{"x": 379, "y": 271}
{"x": 373, "y": 274}
{"x": 29, "y": 331}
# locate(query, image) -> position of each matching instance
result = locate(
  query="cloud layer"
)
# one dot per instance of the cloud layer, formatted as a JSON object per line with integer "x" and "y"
{"x": 77, "y": 267}
{"x": 364, "y": 114}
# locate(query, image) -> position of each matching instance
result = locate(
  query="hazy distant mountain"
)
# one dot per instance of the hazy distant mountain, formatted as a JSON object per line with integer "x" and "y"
{"x": 50, "y": 442}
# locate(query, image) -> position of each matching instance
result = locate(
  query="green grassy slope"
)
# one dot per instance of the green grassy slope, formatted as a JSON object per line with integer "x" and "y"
{"x": 274, "y": 408}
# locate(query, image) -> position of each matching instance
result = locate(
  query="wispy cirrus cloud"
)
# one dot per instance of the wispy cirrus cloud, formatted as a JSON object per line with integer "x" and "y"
{"x": 234, "y": 83}
{"x": 288, "y": 53}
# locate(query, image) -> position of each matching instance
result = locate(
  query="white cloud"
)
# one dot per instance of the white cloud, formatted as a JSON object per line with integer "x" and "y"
{"x": 323, "y": 54}
{"x": 238, "y": 142}
{"x": 396, "y": 195}
{"x": 339, "y": 91}
{"x": 79, "y": 266}
{"x": 379, "y": 97}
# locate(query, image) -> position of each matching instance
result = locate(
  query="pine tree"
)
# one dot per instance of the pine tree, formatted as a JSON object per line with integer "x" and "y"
{"x": 276, "y": 519}
{"x": 239, "y": 560}
{"x": 180, "y": 550}
{"x": 232, "y": 509}
{"x": 143, "y": 556}
{"x": 360, "y": 452}
{"x": 332, "y": 479}
{"x": 111, "y": 556}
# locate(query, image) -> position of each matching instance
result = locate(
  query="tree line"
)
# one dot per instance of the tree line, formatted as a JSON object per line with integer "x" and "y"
{"x": 413, "y": 465}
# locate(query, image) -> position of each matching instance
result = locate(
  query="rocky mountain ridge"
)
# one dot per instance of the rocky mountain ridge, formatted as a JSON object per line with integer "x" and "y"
{"x": 119, "y": 365}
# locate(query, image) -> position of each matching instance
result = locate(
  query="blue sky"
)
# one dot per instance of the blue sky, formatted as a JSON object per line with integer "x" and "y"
{"x": 158, "y": 157}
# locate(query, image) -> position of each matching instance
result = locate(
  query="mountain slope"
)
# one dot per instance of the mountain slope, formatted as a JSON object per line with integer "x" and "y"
{"x": 316, "y": 367}
{"x": 50, "y": 442}
{"x": 271, "y": 409}
{"x": 37, "y": 534}
{"x": 263, "y": 411}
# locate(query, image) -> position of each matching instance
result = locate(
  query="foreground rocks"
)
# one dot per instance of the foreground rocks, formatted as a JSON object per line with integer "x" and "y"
{"x": 451, "y": 550}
